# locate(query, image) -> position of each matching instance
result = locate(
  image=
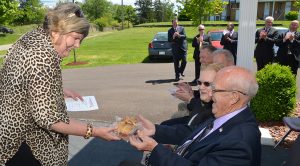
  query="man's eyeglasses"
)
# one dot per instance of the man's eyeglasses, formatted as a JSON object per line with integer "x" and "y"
{"x": 205, "y": 83}
{"x": 223, "y": 90}
{"x": 201, "y": 29}
{"x": 214, "y": 90}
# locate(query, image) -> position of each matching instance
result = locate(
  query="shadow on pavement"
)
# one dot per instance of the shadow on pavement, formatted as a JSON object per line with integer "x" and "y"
{"x": 160, "y": 81}
{"x": 157, "y": 60}
{"x": 104, "y": 153}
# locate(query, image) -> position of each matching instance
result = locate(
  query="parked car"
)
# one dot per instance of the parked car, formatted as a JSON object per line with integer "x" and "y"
{"x": 281, "y": 30}
{"x": 159, "y": 47}
{"x": 4, "y": 29}
{"x": 215, "y": 36}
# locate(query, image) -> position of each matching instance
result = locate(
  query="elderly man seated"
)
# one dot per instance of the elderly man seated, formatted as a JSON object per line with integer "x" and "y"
{"x": 231, "y": 138}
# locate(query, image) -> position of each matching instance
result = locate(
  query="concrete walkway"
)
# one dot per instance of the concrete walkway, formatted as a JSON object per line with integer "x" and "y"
{"x": 5, "y": 47}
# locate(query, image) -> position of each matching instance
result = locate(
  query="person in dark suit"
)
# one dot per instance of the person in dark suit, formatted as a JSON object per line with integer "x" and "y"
{"x": 199, "y": 40}
{"x": 177, "y": 37}
{"x": 232, "y": 138}
{"x": 229, "y": 40}
{"x": 289, "y": 47}
{"x": 265, "y": 38}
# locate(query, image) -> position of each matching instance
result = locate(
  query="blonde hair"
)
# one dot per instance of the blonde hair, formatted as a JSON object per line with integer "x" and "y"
{"x": 213, "y": 67}
{"x": 66, "y": 18}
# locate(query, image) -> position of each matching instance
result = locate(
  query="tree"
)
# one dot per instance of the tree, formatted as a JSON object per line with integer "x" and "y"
{"x": 163, "y": 10}
{"x": 8, "y": 11}
{"x": 199, "y": 10}
{"x": 30, "y": 12}
{"x": 297, "y": 4}
{"x": 144, "y": 10}
{"x": 94, "y": 9}
{"x": 130, "y": 14}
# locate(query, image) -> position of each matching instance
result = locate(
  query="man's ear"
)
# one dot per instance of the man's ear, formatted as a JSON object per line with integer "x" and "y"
{"x": 235, "y": 98}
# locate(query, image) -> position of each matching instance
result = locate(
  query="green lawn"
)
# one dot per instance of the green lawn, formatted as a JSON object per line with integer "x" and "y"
{"x": 122, "y": 47}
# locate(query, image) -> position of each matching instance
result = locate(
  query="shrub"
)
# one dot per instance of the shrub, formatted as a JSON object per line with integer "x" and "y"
{"x": 291, "y": 15}
{"x": 102, "y": 22}
{"x": 276, "y": 96}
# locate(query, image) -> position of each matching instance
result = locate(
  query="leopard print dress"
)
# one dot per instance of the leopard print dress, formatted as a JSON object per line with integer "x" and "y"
{"x": 31, "y": 100}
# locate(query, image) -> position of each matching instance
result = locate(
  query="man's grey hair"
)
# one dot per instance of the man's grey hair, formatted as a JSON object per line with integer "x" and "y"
{"x": 249, "y": 87}
{"x": 226, "y": 53}
{"x": 241, "y": 79}
{"x": 270, "y": 18}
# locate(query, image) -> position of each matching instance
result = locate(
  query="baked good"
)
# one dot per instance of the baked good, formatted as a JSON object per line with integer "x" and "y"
{"x": 126, "y": 126}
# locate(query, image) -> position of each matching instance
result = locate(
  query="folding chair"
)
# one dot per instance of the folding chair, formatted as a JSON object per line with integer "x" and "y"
{"x": 293, "y": 123}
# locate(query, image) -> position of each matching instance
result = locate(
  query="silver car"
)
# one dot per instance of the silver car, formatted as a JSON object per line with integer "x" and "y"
{"x": 159, "y": 47}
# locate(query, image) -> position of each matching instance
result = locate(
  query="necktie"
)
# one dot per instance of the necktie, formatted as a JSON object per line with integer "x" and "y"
{"x": 181, "y": 150}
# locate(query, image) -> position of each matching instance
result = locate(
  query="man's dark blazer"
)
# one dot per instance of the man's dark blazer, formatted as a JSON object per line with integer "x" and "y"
{"x": 230, "y": 45}
{"x": 283, "y": 47}
{"x": 179, "y": 44}
{"x": 264, "y": 52}
{"x": 195, "y": 44}
{"x": 235, "y": 143}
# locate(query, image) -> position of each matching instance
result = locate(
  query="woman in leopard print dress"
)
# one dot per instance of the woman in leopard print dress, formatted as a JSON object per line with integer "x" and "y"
{"x": 34, "y": 125}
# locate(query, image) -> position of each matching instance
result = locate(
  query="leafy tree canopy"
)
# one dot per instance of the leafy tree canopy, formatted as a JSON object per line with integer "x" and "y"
{"x": 8, "y": 10}
{"x": 199, "y": 10}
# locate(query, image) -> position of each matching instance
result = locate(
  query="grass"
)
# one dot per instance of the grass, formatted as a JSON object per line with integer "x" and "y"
{"x": 18, "y": 32}
{"x": 1, "y": 56}
{"x": 122, "y": 47}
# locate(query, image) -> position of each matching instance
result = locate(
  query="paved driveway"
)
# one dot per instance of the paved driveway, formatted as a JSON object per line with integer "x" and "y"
{"x": 127, "y": 90}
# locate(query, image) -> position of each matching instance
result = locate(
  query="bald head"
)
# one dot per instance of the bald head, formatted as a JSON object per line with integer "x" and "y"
{"x": 224, "y": 57}
{"x": 238, "y": 78}
{"x": 232, "y": 89}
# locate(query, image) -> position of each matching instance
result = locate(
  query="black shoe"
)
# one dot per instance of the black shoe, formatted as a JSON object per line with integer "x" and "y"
{"x": 176, "y": 79}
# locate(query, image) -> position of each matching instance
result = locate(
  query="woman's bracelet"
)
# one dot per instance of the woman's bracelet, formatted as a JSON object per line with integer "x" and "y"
{"x": 89, "y": 131}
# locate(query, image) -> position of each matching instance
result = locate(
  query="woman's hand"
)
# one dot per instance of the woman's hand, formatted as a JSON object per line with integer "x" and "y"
{"x": 106, "y": 133}
{"x": 72, "y": 94}
{"x": 184, "y": 92}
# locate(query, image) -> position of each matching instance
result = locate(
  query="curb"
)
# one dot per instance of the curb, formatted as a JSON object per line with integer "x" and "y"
{"x": 266, "y": 138}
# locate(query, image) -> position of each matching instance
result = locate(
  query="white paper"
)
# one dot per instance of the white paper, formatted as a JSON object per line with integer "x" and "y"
{"x": 89, "y": 103}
